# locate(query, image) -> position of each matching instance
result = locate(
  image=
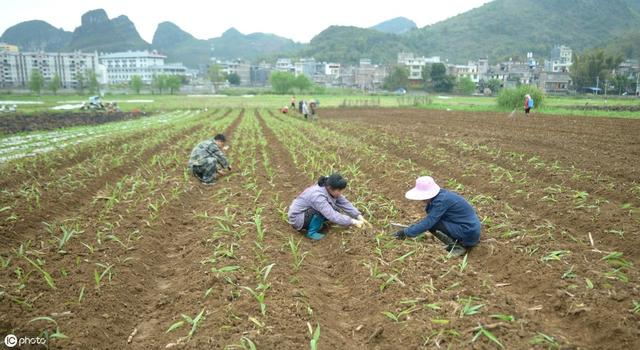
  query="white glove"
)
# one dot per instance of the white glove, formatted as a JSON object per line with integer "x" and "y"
{"x": 364, "y": 221}
{"x": 357, "y": 223}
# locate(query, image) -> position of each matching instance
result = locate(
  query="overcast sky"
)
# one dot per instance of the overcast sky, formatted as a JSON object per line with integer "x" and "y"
{"x": 295, "y": 19}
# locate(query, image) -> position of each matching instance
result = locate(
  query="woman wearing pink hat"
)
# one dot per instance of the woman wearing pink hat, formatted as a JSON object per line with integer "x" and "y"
{"x": 450, "y": 217}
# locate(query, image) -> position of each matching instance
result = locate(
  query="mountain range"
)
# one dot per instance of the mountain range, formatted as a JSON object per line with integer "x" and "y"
{"x": 498, "y": 29}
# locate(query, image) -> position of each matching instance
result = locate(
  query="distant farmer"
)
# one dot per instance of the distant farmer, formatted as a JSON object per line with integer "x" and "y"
{"x": 312, "y": 109}
{"x": 293, "y": 102}
{"x": 450, "y": 218}
{"x": 305, "y": 109}
{"x": 300, "y": 106}
{"x": 321, "y": 202}
{"x": 528, "y": 103}
{"x": 208, "y": 162}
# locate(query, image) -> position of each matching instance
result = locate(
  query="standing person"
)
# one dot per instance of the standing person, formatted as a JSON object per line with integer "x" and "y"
{"x": 321, "y": 202}
{"x": 305, "y": 109}
{"x": 300, "y": 106}
{"x": 450, "y": 218}
{"x": 312, "y": 109}
{"x": 207, "y": 161}
{"x": 293, "y": 102}
{"x": 528, "y": 103}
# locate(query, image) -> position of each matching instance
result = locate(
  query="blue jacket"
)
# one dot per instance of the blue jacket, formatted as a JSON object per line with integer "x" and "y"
{"x": 452, "y": 213}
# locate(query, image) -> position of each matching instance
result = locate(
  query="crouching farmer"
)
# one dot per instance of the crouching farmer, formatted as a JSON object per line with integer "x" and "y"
{"x": 207, "y": 161}
{"x": 450, "y": 218}
{"x": 323, "y": 202}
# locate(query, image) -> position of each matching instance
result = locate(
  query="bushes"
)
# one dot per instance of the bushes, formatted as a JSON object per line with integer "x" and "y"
{"x": 514, "y": 98}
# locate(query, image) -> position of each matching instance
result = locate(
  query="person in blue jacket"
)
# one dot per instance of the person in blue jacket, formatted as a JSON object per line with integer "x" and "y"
{"x": 450, "y": 218}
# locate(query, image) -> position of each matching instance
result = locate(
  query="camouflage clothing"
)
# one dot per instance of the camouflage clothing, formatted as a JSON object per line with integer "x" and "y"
{"x": 206, "y": 158}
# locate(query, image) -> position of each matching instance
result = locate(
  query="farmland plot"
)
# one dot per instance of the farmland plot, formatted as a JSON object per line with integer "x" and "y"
{"x": 110, "y": 243}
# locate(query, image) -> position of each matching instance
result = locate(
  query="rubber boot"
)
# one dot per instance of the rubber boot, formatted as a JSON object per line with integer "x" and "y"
{"x": 452, "y": 246}
{"x": 315, "y": 225}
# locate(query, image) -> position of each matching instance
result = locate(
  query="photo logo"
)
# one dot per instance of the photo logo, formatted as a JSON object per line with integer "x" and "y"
{"x": 10, "y": 340}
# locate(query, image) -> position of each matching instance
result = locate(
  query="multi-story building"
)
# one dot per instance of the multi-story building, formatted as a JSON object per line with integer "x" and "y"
{"x": 415, "y": 65}
{"x": 560, "y": 60}
{"x": 122, "y": 66}
{"x": 16, "y": 68}
{"x": 306, "y": 67}
{"x": 8, "y": 48}
{"x": 285, "y": 65}
{"x": 368, "y": 76}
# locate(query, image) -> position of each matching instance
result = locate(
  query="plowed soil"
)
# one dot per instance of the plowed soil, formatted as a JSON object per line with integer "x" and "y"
{"x": 567, "y": 185}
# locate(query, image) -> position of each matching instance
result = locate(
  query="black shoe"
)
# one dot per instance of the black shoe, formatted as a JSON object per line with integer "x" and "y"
{"x": 455, "y": 250}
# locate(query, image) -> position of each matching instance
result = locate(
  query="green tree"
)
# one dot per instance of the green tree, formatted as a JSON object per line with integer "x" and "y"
{"x": 282, "y": 82}
{"x": 80, "y": 82}
{"x": 92, "y": 82}
{"x": 54, "y": 84}
{"x": 233, "y": 79}
{"x": 159, "y": 83}
{"x": 494, "y": 85}
{"x": 37, "y": 81}
{"x": 399, "y": 78}
{"x": 440, "y": 80}
{"x": 216, "y": 76}
{"x": 621, "y": 83}
{"x": 426, "y": 76}
{"x": 302, "y": 83}
{"x": 173, "y": 83}
{"x": 136, "y": 83}
{"x": 593, "y": 68}
{"x": 465, "y": 86}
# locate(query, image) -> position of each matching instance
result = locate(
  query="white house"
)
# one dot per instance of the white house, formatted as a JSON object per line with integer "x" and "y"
{"x": 122, "y": 66}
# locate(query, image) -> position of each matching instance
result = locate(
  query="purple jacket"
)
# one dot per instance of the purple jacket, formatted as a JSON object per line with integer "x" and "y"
{"x": 318, "y": 198}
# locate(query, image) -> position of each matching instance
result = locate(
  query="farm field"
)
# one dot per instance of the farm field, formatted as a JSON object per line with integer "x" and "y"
{"x": 109, "y": 242}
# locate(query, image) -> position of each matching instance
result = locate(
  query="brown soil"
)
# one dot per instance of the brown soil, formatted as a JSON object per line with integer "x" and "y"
{"x": 14, "y": 123}
{"x": 166, "y": 272}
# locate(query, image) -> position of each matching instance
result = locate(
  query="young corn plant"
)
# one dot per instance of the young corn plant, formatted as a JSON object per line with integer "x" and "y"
{"x": 106, "y": 271}
{"x": 315, "y": 336}
{"x": 487, "y": 334}
{"x": 45, "y": 275}
{"x": 468, "y": 308}
{"x": 547, "y": 340}
{"x": 401, "y": 315}
{"x": 194, "y": 322}
{"x": 298, "y": 257}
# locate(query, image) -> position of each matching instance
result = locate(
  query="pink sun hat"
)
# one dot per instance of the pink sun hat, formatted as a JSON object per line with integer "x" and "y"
{"x": 426, "y": 188}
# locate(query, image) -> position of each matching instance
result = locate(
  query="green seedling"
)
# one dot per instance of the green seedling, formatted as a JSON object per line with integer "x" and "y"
{"x": 56, "y": 334}
{"x": 506, "y": 318}
{"x": 45, "y": 275}
{"x": 463, "y": 263}
{"x": 484, "y": 332}
{"x": 636, "y": 306}
{"x": 556, "y": 255}
{"x": 399, "y": 316}
{"x": 99, "y": 276}
{"x": 468, "y": 308}
{"x": 543, "y": 339}
{"x": 194, "y": 322}
{"x": 298, "y": 257}
{"x": 315, "y": 336}
{"x": 615, "y": 259}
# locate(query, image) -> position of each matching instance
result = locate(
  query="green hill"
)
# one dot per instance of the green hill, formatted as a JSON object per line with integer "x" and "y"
{"x": 398, "y": 25}
{"x": 233, "y": 44}
{"x": 36, "y": 36}
{"x": 349, "y": 44}
{"x": 180, "y": 46}
{"x": 99, "y": 33}
{"x": 505, "y": 27}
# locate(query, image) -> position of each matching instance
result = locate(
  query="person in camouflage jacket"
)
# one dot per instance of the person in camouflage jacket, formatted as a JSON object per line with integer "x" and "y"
{"x": 207, "y": 161}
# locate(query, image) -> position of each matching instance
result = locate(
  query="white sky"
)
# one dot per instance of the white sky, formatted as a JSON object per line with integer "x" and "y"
{"x": 295, "y": 19}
